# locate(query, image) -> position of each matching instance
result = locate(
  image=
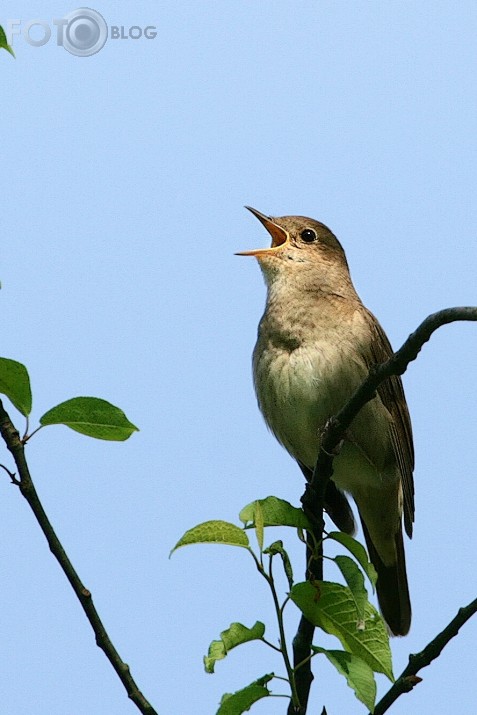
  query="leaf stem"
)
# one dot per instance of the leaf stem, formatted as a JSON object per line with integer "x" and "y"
{"x": 281, "y": 628}
{"x": 275, "y": 647}
{"x": 27, "y": 436}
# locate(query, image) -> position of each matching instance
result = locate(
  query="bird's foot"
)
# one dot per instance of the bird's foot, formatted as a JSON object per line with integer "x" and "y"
{"x": 329, "y": 425}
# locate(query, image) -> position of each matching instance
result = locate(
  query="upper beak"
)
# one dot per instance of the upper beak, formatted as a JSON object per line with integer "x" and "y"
{"x": 278, "y": 234}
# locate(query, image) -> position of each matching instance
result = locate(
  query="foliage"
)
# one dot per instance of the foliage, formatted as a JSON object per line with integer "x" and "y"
{"x": 90, "y": 416}
{"x": 336, "y": 609}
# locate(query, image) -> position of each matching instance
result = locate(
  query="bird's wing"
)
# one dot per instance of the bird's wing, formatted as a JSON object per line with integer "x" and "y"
{"x": 392, "y": 396}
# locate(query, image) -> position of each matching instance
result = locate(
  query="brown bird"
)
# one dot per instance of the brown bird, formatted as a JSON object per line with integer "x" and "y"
{"x": 316, "y": 343}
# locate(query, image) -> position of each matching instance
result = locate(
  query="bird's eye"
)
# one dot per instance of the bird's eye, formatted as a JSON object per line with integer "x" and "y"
{"x": 308, "y": 235}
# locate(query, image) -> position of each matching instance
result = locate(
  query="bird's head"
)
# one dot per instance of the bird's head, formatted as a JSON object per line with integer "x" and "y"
{"x": 300, "y": 247}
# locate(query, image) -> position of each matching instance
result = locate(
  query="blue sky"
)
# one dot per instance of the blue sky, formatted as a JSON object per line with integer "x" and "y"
{"x": 123, "y": 179}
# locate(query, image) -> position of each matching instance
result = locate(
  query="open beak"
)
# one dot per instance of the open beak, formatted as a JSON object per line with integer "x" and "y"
{"x": 278, "y": 234}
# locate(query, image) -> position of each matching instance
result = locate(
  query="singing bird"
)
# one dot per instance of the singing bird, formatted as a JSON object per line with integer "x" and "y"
{"x": 316, "y": 343}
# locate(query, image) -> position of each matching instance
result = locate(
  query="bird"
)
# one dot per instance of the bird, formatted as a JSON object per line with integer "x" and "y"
{"x": 316, "y": 343}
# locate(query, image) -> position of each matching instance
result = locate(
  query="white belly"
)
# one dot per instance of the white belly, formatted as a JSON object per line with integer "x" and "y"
{"x": 299, "y": 390}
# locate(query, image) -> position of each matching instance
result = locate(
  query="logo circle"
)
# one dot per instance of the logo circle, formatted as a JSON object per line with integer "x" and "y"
{"x": 86, "y": 32}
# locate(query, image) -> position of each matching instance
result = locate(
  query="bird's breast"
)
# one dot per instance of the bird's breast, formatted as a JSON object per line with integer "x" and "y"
{"x": 299, "y": 389}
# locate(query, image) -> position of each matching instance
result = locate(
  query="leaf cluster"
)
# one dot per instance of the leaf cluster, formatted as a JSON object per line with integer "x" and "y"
{"x": 90, "y": 416}
{"x": 339, "y": 610}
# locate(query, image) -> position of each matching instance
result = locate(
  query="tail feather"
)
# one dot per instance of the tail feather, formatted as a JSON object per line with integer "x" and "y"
{"x": 392, "y": 587}
{"x": 338, "y": 508}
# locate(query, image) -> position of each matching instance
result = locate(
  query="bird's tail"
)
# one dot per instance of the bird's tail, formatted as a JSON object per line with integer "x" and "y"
{"x": 392, "y": 587}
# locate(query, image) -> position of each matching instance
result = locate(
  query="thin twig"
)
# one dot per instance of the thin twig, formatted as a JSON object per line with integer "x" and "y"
{"x": 281, "y": 629}
{"x": 408, "y": 678}
{"x": 313, "y": 498}
{"x": 27, "y": 488}
{"x": 12, "y": 475}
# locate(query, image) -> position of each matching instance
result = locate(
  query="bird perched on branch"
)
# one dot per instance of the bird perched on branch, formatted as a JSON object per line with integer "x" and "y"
{"x": 316, "y": 343}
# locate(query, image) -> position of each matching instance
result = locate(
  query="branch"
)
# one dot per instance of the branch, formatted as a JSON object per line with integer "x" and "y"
{"x": 396, "y": 365}
{"x": 408, "y": 678}
{"x": 303, "y": 675}
{"x": 27, "y": 488}
{"x": 314, "y": 496}
{"x": 304, "y": 636}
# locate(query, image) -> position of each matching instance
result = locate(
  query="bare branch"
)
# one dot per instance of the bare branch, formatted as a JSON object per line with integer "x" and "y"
{"x": 396, "y": 365}
{"x": 408, "y": 678}
{"x": 313, "y": 498}
{"x": 27, "y": 488}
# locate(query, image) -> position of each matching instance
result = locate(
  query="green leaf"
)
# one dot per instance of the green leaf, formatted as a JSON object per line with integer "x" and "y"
{"x": 357, "y": 672}
{"x": 214, "y": 532}
{"x": 277, "y": 548}
{"x": 331, "y": 606}
{"x": 259, "y": 524}
{"x": 92, "y": 417}
{"x": 15, "y": 384}
{"x": 355, "y": 581}
{"x": 232, "y": 637}
{"x": 3, "y": 42}
{"x": 242, "y": 700}
{"x": 276, "y": 512}
{"x": 359, "y": 553}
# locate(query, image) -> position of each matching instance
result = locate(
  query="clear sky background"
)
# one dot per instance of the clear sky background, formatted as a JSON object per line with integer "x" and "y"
{"x": 123, "y": 180}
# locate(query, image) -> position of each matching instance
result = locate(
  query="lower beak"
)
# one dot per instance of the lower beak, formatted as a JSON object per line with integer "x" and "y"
{"x": 278, "y": 234}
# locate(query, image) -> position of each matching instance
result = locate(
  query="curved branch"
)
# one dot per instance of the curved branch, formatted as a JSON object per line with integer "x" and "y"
{"x": 313, "y": 498}
{"x": 408, "y": 678}
{"x": 396, "y": 365}
{"x": 27, "y": 488}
